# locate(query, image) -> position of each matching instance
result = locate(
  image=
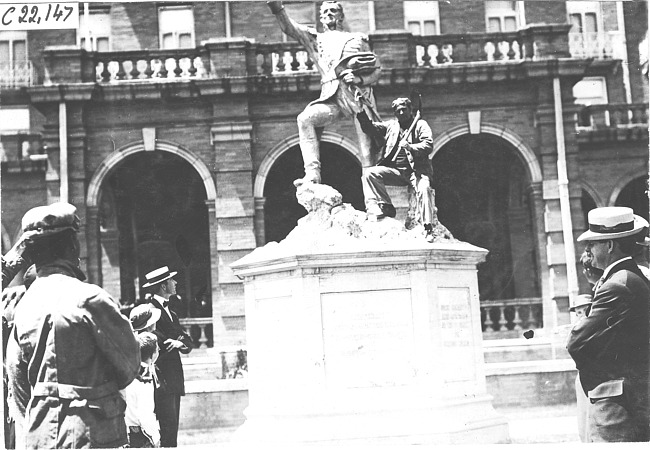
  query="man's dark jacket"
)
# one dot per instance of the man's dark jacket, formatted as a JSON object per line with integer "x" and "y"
{"x": 612, "y": 341}
{"x": 421, "y": 140}
{"x": 169, "y": 363}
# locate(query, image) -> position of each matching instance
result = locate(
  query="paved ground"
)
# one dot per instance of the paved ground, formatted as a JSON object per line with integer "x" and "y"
{"x": 539, "y": 425}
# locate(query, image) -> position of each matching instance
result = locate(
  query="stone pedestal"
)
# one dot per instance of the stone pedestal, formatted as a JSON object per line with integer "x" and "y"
{"x": 359, "y": 330}
{"x": 378, "y": 345}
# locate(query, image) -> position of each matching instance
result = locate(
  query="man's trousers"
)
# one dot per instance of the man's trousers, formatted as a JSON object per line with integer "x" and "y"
{"x": 310, "y": 124}
{"x": 375, "y": 179}
{"x": 167, "y": 412}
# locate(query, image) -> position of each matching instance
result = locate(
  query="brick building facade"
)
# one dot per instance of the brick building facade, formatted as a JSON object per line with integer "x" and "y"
{"x": 177, "y": 140}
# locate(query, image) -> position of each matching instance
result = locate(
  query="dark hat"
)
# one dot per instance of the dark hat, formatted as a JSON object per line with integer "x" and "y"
{"x": 582, "y": 300}
{"x": 51, "y": 219}
{"x": 158, "y": 276}
{"x": 143, "y": 316}
{"x": 402, "y": 101}
{"x": 612, "y": 222}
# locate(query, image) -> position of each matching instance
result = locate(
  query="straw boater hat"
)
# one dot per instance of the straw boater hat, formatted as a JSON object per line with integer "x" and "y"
{"x": 612, "y": 222}
{"x": 158, "y": 276}
{"x": 143, "y": 316}
{"x": 582, "y": 300}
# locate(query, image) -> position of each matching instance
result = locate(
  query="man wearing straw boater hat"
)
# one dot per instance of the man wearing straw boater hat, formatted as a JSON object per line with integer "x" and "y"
{"x": 172, "y": 341}
{"x": 610, "y": 346}
{"x": 71, "y": 350}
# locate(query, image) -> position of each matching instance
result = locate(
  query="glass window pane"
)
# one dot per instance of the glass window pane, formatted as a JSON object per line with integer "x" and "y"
{"x": 429, "y": 27}
{"x": 176, "y": 19}
{"x": 102, "y": 45}
{"x": 4, "y": 51}
{"x": 185, "y": 40}
{"x": 510, "y": 24}
{"x": 420, "y": 10}
{"x": 168, "y": 41}
{"x": 494, "y": 25}
{"x": 414, "y": 28}
{"x": 576, "y": 21}
{"x": 20, "y": 51}
{"x": 591, "y": 25}
{"x": 503, "y": 6}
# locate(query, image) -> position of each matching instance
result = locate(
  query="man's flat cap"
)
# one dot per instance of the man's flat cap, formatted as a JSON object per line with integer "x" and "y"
{"x": 51, "y": 219}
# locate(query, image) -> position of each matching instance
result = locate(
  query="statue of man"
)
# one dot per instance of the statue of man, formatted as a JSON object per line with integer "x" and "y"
{"x": 347, "y": 67}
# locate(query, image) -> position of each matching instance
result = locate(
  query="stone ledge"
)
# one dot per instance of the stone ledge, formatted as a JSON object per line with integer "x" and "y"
{"x": 524, "y": 367}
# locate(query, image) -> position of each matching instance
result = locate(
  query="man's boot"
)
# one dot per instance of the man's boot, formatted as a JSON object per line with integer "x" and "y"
{"x": 311, "y": 157}
{"x": 429, "y": 232}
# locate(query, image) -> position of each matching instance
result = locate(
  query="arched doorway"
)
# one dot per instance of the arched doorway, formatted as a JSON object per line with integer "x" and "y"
{"x": 483, "y": 197}
{"x": 633, "y": 195}
{"x": 339, "y": 169}
{"x": 152, "y": 212}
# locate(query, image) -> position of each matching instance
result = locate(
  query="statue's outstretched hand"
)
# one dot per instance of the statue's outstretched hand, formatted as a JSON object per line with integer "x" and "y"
{"x": 349, "y": 77}
{"x": 275, "y": 6}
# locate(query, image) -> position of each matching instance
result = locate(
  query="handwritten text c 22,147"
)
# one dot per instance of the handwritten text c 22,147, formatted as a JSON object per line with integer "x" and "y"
{"x": 39, "y": 16}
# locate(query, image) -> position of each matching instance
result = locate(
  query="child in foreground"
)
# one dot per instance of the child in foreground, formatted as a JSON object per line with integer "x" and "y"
{"x": 143, "y": 428}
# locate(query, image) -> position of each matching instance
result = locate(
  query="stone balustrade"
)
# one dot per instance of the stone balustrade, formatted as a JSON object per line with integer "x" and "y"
{"x": 200, "y": 328}
{"x": 614, "y": 115}
{"x": 149, "y": 64}
{"x": 598, "y": 45}
{"x": 500, "y": 318}
{"x": 16, "y": 74}
{"x": 285, "y": 57}
{"x": 235, "y": 57}
{"x": 470, "y": 47}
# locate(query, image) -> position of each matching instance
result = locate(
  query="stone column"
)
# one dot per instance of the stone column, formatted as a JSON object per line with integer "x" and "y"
{"x": 93, "y": 249}
{"x": 234, "y": 220}
{"x": 556, "y": 310}
{"x": 260, "y": 231}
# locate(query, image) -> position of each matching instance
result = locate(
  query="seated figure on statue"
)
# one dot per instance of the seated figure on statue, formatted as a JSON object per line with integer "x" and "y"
{"x": 347, "y": 68}
{"x": 404, "y": 161}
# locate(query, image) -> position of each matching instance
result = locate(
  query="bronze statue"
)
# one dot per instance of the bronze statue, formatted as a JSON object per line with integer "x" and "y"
{"x": 347, "y": 67}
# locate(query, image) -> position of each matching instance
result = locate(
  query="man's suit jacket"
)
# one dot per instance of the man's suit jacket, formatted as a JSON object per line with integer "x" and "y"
{"x": 612, "y": 341}
{"x": 169, "y": 363}
{"x": 421, "y": 140}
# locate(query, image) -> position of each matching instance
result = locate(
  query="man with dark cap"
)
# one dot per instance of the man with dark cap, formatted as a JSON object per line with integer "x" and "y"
{"x": 404, "y": 160}
{"x": 71, "y": 350}
{"x": 610, "y": 346}
{"x": 172, "y": 341}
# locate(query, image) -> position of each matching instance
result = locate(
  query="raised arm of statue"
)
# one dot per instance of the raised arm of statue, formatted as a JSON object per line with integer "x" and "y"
{"x": 288, "y": 26}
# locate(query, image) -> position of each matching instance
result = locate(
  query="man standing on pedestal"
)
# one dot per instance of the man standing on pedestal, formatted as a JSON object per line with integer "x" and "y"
{"x": 610, "y": 346}
{"x": 172, "y": 341}
{"x": 347, "y": 68}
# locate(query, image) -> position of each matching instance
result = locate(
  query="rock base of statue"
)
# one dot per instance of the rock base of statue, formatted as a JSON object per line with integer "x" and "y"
{"x": 363, "y": 332}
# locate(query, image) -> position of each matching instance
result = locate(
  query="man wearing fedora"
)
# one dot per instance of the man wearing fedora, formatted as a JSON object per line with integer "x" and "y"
{"x": 610, "y": 346}
{"x": 172, "y": 341}
{"x": 71, "y": 350}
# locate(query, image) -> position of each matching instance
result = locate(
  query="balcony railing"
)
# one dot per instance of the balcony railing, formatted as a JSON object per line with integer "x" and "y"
{"x": 469, "y": 47}
{"x": 508, "y": 318}
{"x": 241, "y": 57}
{"x": 597, "y": 45}
{"x": 613, "y": 115}
{"x": 282, "y": 58}
{"x": 16, "y": 74}
{"x": 200, "y": 329}
{"x": 149, "y": 64}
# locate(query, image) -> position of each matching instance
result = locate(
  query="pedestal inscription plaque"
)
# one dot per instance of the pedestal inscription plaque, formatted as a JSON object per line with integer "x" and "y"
{"x": 456, "y": 334}
{"x": 368, "y": 338}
